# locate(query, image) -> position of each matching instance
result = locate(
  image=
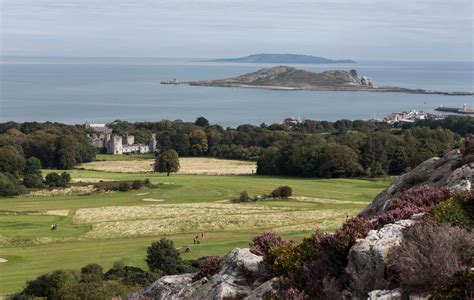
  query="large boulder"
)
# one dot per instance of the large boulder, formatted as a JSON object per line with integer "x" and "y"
{"x": 450, "y": 171}
{"x": 235, "y": 280}
{"x": 368, "y": 257}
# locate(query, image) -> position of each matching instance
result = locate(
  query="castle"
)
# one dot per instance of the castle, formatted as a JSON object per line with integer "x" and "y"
{"x": 102, "y": 138}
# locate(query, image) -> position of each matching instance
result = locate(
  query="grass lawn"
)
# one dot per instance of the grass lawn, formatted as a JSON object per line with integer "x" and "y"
{"x": 108, "y": 227}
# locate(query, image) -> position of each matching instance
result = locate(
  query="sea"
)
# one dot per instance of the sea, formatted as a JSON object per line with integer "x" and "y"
{"x": 75, "y": 89}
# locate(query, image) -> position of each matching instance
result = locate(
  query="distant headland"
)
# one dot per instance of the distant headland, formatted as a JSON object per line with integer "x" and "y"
{"x": 290, "y": 78}
{"x": 282, "y": 59}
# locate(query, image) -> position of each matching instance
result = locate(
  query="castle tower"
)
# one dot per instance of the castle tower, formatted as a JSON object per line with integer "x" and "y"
{"x": 153, "y": 142}
{"x": 115, "y": 145}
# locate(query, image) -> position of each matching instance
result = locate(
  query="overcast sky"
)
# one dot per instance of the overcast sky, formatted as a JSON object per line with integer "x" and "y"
{"x": 356, "y": 29}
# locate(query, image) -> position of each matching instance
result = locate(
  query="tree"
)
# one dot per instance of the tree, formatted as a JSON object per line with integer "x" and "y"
{"x": 163, "y": 256}
{"x": 167, "y": 162}
{"x": 11, "y": 160}
{"x": 33, "y": 166}
{"x": 198, "y": 141}
{"x": 33, "y": 177}
{"x": 201, "y": 122}
{"x": 92, "y": 273}
{"x": 9, "y": 185}
{"x": 67, "y": 152}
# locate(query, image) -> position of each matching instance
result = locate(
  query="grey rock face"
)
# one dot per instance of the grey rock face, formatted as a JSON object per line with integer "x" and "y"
{"x": 385, "y": 295}
{"x": 234, "y": 281}
{"x": 449, "y": 171}
{"x": 368, "y": 257}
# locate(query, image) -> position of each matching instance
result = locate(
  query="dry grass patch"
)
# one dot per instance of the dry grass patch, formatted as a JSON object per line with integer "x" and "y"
{"x": 189, "y": 165}
{"x": 180, "y": 218}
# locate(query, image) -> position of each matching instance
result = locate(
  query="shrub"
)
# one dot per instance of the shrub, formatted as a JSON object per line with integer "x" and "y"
{"x": 137, "y": 184}
{"x": 283, "y": 192}
{"x": 134, "y": 276}
{"x": 429, "y": 254}
{"x": 422, "y": 196}
{"x": 33, "y": 181}
{"x": 451, "y": 211}
{"x": 468, "y": 204}
{"x": 56, "y": 180}
{"x": 91, "y": 273}
{"x": 208, "y": 267}
{"x": 123, "y": 187}
{"x": 459, "y": 286}
{"x": 50, "y": 286}
{"x": 162, "y": 256}
{"x": 264, "y": 243}
{"x": 287, "y": 259}
{"x": 244, "y": 196}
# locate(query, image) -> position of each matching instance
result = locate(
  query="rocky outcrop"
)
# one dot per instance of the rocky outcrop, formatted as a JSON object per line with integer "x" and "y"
{"x": 452, "y": 171}
{"x": 368, "y": 257}
{"x": 235, "y": 280}
{"x": 385, "y": 295}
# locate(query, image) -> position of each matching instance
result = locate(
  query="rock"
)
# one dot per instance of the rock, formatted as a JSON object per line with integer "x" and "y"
{"x": 235, "y": 280}
{"x": 366, "y": 81}
{"x": 385, "y": 295}
{"x": 368, "y": 257}
{"x": 448, "y": 171}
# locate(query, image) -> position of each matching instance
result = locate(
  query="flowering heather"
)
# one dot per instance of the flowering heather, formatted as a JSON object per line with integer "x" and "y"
{"x": 422, "y": 196}
{"x": 397, "y": 214}
{"x": 264, "y": 243}
{"x": 208, "y": 268}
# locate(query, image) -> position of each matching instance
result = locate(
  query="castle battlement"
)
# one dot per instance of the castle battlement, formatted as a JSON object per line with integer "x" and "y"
{"x": 103, "y": 138}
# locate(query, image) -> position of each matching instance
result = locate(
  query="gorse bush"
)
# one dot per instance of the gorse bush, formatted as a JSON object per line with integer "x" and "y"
{"x": 208, "y": 267}
{"x": 429, "y": 255}
{"x": 452, "y": 211}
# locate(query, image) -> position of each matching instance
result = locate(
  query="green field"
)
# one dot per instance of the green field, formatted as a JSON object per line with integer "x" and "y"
{"x": 107, "y": 227}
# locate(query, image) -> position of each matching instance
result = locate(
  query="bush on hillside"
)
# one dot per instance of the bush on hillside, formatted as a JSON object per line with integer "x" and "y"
{"x": 208, "y": 267}
{"x": 50, "y": 286}
{"x": 397, "y": 214}
{"x": 459, "y": 286}
{"x": 92, "y": 273}
{"x": 429, "y": 255}
{"x": 163, "y": 257}
{"x": 452, "y": 211}
{"x": 424, "y": 196}
{"x": 264, "y": 243}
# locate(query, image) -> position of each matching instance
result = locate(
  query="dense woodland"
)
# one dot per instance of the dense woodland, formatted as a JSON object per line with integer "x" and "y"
{"x": 311, "y": 149}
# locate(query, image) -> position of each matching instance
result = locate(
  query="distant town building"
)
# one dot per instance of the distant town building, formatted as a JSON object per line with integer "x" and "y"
{"x": 406, "y": 116}
{"x": 290, "y": 122}
{"x": 102, "y": 138}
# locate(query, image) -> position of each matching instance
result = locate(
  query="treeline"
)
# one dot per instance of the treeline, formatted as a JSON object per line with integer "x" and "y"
{"x": 353, "y": 154}
{"x": 57, "y": 146}
{"x": 312, "y": 148}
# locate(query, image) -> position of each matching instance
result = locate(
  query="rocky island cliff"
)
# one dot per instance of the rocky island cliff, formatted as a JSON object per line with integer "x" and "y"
{"x": 290, "y": 78}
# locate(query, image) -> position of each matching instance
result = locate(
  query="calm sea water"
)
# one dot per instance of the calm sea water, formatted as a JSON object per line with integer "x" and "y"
{"x": 71, "y": 90}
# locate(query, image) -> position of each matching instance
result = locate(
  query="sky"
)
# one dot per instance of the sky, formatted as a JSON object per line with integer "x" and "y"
{"x": 337, "y": 29}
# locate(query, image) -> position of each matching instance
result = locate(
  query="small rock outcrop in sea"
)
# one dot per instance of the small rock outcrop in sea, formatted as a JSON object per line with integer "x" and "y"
{"x": 454, "y": 171}
{"x": 235, "y": 280}
{"x": 368, "y": 257}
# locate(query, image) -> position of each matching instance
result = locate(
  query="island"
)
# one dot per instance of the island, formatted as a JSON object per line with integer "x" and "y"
{"x": 290, "y": 78}
{"x": 267, "y": 58}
